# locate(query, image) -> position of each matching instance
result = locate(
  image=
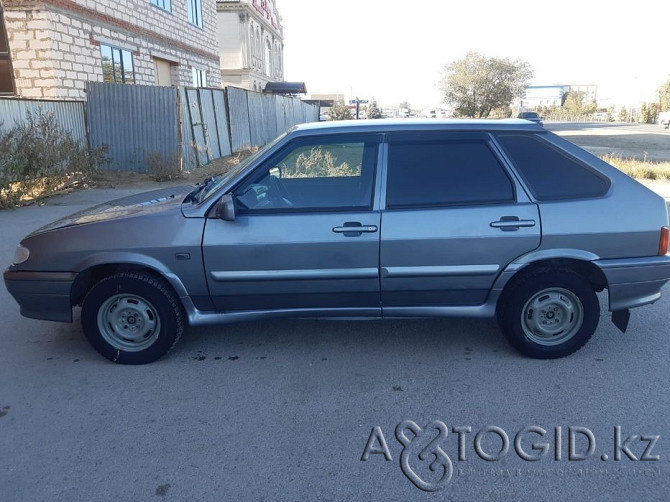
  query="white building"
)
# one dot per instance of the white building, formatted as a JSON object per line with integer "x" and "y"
{"x": 251, "y": 43}
{"x": 56, "y": 46}
{"x": 553, "y": 95}
{"x": 543, "y": 95}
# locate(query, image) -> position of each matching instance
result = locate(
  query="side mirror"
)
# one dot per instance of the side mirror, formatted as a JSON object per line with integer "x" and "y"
{"x": 225, "y": 208}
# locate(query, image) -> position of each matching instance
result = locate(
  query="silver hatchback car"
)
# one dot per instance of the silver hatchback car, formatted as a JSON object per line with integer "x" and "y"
{"x": 383, "y": 219}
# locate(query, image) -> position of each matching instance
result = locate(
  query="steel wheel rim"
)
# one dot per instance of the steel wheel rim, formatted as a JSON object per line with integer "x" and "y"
{"x": 128, "y": 322}
{"x": 552, "y": 316}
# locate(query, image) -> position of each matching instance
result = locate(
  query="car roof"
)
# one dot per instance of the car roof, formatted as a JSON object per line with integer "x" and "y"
{"x": 408, "y": 125}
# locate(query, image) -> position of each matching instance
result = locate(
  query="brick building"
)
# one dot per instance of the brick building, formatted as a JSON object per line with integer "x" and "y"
{"x": 251, "y": 43}
{"x": 55, "y": 46}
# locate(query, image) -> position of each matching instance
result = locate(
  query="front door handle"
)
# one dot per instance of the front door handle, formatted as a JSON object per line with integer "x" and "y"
{"x": 511, "y": 223}
{"x": 354, "y": 229}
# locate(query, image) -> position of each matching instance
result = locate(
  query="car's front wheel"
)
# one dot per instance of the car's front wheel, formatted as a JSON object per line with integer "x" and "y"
{"x": 549, "y": 314}
{"x": 132, "y": 318}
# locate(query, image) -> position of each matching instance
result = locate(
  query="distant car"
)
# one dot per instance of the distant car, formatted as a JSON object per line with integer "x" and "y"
{"x": 532, "y": 116}
{"x": 380, "y": 218}
{"x": 664, "y": 119}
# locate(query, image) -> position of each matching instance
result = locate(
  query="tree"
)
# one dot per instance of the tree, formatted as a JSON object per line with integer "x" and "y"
{"x": 624, "y": 116}
{"x": 648, "y": 113}
{"x": 373, "y": 111}
{"x": 339, "y": 111}
{"x": 664, "y": 96}
{"x": 575, "y": 105}
{"x": 477, "y": 84}
{"x": 574, "y": 102}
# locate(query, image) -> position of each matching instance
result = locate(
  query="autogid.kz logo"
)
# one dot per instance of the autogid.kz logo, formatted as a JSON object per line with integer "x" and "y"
{"x": 425, "y": 460}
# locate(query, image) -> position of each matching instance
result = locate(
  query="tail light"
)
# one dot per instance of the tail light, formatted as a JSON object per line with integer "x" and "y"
{"x": 663, "y": 245}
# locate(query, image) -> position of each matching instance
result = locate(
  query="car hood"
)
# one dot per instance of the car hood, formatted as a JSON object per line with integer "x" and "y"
{"x": 154, "y": 201}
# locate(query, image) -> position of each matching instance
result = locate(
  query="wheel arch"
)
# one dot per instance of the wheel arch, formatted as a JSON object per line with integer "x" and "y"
{"x": 100, "y": 266}
{"x": 584, "y": 267}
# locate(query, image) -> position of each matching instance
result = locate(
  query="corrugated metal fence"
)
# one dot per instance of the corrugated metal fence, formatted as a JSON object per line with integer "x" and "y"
{"x": 194, "y": 126}
{"x": 211, "y": 123}
{"x": 134, "y": 121}
{"x": 68, "y": 114}
{"x": 216, "y": 122}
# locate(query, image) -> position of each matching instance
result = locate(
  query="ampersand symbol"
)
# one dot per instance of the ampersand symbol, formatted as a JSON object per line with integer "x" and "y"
{"x": 410, "y": 446}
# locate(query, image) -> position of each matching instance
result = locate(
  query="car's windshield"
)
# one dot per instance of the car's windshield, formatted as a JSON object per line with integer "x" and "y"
{"x": 221, "y": 180}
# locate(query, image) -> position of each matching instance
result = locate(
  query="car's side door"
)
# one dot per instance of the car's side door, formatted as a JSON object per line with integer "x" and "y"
{"x": 453, "y": 219}
{"x": 305, "y": 234}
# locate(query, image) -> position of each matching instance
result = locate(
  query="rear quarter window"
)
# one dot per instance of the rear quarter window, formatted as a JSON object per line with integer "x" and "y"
{"x": 550, "y": 173}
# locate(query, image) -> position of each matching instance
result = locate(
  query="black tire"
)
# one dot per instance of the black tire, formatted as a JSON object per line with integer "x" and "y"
{"x": 549, "y": 314}
{"x": 132, "y": 318}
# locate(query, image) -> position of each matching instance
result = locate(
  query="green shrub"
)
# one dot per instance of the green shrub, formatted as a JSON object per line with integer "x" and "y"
{"x": 38, "y": 156}
{"x": 163, "y": 168}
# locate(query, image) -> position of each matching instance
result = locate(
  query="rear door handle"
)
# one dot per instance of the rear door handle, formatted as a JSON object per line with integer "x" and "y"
{"x": 354, "y": 229}
{"x": 510, "y": 223}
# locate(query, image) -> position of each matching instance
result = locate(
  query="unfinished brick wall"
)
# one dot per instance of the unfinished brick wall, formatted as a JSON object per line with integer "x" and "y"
{"x": 55, "y": 44}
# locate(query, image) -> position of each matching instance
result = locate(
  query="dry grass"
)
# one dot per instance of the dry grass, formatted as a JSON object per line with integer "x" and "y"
{"x": 640, "y": 169}
{"x": 118, "y": 179}
{"x": 217, "y": 166}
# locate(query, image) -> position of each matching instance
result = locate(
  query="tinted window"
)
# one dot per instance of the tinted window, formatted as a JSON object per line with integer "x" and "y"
{"x": 446, "y": 171}
{"x": 550, "y": 173}
{"x": 313, "y": 174}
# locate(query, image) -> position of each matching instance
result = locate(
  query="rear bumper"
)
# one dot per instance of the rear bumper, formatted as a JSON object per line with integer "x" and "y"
{"x": 42, "y": 295}
{"x": 633, "y": 282}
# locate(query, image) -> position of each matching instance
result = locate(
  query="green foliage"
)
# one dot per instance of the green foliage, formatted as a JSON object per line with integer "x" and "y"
{"x": 624, "y": 115}
{"x": 163, "y": 169}
{"x": 664, "y": 96}
{"x": 648, "y": 113}
{"x": 38, "y": 156}
{"x": 373, "y": 111}
{"x": 477, "y": 84}
{"x": 574, "y": 103}
{"x": 501, "y": 113}
{"x": 316, "y": 163}
{"x": 339, "y": 111}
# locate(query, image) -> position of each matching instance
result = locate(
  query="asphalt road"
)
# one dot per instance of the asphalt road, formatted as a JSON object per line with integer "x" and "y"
{"x": 640, "y": 141}
{"x": 284, "y": 410}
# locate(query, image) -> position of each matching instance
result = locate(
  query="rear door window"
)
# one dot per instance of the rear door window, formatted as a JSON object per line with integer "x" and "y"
{"x": 426, "y": 170}
{"x": 550, "y": 173}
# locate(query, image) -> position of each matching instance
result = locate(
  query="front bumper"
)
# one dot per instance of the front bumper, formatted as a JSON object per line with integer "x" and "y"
{"x": 42, "y": 295}
{"x": 633, "y": 282}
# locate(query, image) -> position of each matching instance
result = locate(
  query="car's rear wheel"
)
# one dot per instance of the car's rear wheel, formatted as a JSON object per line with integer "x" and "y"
{"x": 549, "y": 314}
{"x": 132, "y": 318}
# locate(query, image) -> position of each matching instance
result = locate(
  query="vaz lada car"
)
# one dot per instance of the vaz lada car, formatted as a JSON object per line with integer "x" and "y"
{"x": 383, "y": 219}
